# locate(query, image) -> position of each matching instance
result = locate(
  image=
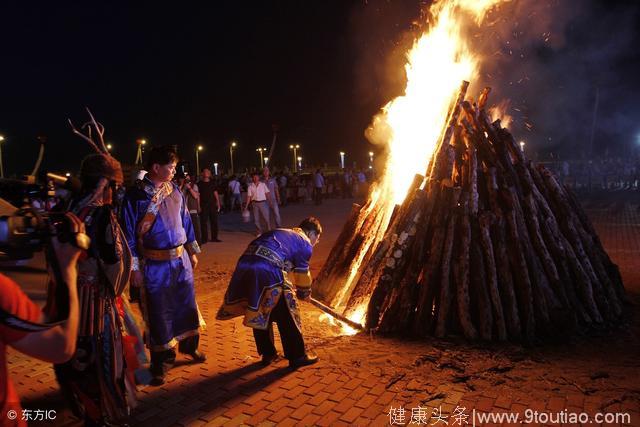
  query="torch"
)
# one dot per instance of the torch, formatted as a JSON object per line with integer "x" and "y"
{"x": 331, "y": 312}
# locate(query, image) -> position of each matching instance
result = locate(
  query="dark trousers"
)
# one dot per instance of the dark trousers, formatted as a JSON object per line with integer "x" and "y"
{"x": 292, "y": 341}
{"x": 163, "y": 360}
{"x": 209, "y": 213}
{"x": 317, "y": 195}
{"x": 195, "y": 220}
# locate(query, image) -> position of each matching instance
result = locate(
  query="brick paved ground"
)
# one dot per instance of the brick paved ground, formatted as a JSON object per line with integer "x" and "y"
{"x": 360, "y": 379}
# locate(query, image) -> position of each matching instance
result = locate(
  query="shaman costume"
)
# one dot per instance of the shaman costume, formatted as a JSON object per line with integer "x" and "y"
{"x": 261, "y": 289}
{"x": 99, "y": 381}
{"x": 160, "y": 235}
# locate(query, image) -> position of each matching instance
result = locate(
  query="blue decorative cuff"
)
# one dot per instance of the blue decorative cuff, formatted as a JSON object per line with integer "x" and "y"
{"x": 192, "y": 247}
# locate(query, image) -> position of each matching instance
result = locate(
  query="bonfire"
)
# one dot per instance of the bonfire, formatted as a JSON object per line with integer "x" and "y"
{"x": 463, "y": 235}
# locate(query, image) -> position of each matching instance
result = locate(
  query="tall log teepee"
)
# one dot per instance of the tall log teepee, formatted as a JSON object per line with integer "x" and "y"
{"x": 489, "y": 245}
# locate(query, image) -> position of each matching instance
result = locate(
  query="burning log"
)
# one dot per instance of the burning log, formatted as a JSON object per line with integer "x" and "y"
{"x": 486, "y": 245}
{"x": 337, "y": 262}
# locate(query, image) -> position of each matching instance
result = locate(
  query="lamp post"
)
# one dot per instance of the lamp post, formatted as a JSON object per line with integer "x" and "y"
{"x": 266, "y": 161}
{"x": 522, "y": 146}
{"x": 198, "y": 150}
{"x": 342, "y": 159}
{"x": 1, "y": 167}
{"x": 140, "y": 143}
{"x": 299, "y": 163}
{"x": 215, "y": 168}
{"x": 295, "y": 156}
{"x": 261, "y": 151}
{"x": 231, "y": 147}
{"x": 109, "y": 147}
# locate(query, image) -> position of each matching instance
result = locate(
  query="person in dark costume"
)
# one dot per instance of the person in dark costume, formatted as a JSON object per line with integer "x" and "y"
{"x": 262, "y": 290}
{"x": 99, "y": 380}
{"x": 160, "y": 235}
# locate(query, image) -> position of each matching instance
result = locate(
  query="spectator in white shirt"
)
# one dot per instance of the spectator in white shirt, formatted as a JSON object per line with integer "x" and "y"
{"x": 257, "y": 194}
{"x": 273, "y": 198}
{"x": 234, "y": 189}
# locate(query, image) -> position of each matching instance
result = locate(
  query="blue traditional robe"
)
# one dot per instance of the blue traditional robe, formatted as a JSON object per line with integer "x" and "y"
{"x": 168, "y": 296}
{"x": 266, "y": 272}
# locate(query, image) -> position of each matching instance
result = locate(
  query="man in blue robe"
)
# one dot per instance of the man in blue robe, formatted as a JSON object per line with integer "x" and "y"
{"x": 160, "y": 235}
{"x": 261, "y": 289}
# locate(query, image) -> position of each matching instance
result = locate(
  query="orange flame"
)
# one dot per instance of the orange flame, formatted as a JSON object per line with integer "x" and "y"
{"x": 499, "y": 112}
{"x": 436, "y": 65}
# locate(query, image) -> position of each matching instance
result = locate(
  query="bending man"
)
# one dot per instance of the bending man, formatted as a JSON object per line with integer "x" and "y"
{"x": 262, "y": 290}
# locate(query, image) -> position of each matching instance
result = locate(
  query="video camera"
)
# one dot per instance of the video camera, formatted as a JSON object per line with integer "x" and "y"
{"x": 25, "y": 230}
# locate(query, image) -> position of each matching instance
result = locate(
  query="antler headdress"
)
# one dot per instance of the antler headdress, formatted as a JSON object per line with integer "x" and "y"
{"x": 102, "y": 164}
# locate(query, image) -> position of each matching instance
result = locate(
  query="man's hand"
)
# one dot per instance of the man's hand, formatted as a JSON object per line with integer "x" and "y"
{"x": 137, "y": 279}
{"x": 303, "y": 294}
{"x": 194, "y": 261}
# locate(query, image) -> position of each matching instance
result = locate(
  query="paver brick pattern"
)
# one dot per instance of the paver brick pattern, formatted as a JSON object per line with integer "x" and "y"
{"x": 360, "y": 379}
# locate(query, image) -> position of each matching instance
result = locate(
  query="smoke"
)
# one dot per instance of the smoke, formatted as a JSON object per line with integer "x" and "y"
{"x": 547, "y": 58}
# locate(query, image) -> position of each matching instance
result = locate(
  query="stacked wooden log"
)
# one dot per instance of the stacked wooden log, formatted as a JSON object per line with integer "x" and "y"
{"x": 488, "y": 245}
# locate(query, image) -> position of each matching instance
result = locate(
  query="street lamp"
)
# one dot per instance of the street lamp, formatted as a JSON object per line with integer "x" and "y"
{"x": 299, "y": 162}
{"x": 198, "y": 150}
{"x": 261, "y": 151}
{"x": 109, "y": 147}
{"x": 68, "y": 174}
{"x": 140, "y": 143}
{"x": 522, "y": 146}
{"x": 295, "y": 156}
{"x": 231, "y": 147}
{"x": 266, "y": 161}
{"x": 215, "y": 168}
{"x": 1, "y": 167}
{"x": 342, "y": 159}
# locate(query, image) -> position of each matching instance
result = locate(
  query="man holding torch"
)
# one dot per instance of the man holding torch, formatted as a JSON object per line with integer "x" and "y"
{"x": 262, "y": 289}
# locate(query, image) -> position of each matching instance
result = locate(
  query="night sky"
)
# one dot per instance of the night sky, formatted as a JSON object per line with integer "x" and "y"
{"x": 207, "y": 73}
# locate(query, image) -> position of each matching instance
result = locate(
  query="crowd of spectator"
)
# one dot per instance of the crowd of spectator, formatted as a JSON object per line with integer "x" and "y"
{"x": 296, "y": 187}
{"x": 598, "y": 174}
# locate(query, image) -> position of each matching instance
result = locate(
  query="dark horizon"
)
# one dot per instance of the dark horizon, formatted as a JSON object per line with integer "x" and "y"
{"x": 212, "y": 73}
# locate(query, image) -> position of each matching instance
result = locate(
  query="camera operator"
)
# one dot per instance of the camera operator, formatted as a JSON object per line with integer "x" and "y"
{"x": 56, "y": 344}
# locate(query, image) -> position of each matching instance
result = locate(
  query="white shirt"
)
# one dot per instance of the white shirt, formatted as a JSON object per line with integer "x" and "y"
{"x": 271, "y": 184}
{"x": 319, "y": 180}
{"x": 258, "y": 193}
{"x": 234, "y": 186}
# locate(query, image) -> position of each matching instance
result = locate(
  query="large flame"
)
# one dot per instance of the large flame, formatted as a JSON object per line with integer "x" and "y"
{"x": 412, "y": 124}
{"x": 436, "y": 65}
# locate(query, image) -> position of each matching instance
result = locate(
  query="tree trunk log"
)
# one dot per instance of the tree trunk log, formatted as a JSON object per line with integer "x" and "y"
{"x": 480, "y": 294}
{"x": 485, "y": 222}
{"x": 461, "y": 271}
{"x": 446, "y": 294}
